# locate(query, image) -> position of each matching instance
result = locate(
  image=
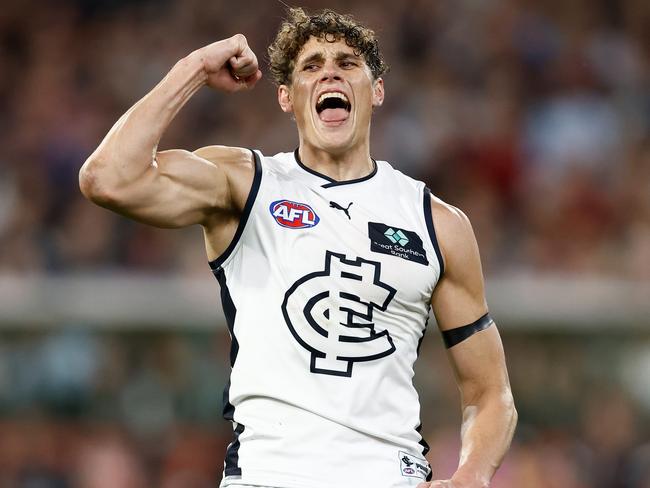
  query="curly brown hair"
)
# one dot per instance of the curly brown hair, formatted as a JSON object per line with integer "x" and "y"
{"x": 296, "y": 30}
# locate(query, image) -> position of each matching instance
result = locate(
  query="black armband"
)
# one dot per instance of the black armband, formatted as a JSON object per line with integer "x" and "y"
{"x": 457, "y": 335}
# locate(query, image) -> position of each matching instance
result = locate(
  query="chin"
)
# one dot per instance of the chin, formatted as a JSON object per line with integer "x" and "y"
{"x": 335, "y": 143}
{"x": 336, "y": 139}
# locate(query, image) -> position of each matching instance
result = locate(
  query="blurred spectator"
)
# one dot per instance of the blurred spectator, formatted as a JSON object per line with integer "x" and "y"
{"x": 499, "y": 106}
{"x": 107, "y": 461}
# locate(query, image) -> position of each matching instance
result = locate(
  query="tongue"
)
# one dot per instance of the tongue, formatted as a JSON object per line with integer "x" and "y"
{"x": 333, "y": 115}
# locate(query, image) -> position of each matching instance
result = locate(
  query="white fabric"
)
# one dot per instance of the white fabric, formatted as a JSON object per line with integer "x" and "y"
{"x": 327, "y": 422}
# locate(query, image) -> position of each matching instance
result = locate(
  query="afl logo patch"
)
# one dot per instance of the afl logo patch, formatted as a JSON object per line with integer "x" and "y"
{"x": 294, "y": 215}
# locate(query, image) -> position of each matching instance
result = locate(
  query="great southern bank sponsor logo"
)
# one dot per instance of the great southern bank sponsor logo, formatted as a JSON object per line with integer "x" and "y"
{"x": 293, "y": 215}
{"x": 397, "y": 242}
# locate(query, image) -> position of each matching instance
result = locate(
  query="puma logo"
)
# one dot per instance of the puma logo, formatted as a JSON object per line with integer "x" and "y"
{"x": 338, "y": 207}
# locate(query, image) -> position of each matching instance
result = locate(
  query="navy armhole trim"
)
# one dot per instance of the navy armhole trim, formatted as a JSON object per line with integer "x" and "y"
{"x": 432, "y": 230}
{"x": 231, "y": 467}
{"x": 257, "y": 178}
{"x": 457, "y": 335}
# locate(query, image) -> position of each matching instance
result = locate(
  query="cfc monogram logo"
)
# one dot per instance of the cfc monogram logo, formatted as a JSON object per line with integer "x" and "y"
{"x": 330, "y": 314}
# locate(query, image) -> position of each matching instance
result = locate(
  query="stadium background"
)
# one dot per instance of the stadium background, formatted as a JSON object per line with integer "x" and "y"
{"x": 531, "y": 115}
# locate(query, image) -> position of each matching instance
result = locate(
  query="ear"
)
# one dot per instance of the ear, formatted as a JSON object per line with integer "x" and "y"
{"x": 378, "y": 92}
{"x": 284, "y": 99}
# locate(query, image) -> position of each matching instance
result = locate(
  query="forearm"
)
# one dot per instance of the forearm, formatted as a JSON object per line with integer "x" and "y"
{"x": 487, "y": 429}
{"x": 129, "y": 148}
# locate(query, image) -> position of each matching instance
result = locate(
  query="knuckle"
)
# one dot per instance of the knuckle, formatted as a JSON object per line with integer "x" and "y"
{"x": 240, "y": 39}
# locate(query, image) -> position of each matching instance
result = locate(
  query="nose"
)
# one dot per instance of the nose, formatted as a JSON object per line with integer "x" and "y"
{"x": 331, "y": 72}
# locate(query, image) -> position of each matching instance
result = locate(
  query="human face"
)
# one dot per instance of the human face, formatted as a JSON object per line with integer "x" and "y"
{"x": 331, "y": 95}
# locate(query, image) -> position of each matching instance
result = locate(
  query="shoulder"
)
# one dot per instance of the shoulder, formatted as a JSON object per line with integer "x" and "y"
{"x": 239, "y": 167}
{"x": 449, "y": 218}
{"x": 454, "y": 232}
{"x": 226, "y": 155}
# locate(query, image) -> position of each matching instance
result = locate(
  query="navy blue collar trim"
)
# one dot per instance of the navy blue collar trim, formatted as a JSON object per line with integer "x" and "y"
{"x": 332, "y": 181}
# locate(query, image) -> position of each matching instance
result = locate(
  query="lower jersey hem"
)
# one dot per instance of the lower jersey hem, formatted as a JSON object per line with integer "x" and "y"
{"x": 273, "y": 481}
{"x": 268, "y": 479}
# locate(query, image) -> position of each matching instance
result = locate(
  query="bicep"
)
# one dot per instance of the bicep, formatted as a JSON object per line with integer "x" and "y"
{"x": 180, "y": 188}
{"x": 459, "y": 297}
{"x": 459, "y": 300}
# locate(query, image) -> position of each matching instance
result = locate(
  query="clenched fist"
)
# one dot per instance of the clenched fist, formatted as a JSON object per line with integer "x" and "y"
{"x": 230, "y": 65}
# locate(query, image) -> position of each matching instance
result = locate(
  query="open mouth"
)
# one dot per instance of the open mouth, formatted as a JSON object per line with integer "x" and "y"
{"x": 333, "y": 107}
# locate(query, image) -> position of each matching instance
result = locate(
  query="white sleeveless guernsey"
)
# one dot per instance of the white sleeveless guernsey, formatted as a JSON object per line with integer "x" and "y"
{"x": 326, "y": 290}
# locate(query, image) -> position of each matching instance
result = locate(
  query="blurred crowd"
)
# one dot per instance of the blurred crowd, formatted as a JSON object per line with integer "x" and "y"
{"x": 81, "y": 409}
{"x": 533, "y": 116}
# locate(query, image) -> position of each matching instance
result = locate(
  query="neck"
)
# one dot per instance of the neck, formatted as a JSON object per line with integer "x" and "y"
{"x": 349, "y": 165}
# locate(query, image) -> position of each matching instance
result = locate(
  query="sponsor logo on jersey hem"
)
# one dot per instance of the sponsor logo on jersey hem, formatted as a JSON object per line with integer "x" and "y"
{"x": 293, "y": 215}
{"x": 413, "y": 467}
{"x": 397, "y": 242}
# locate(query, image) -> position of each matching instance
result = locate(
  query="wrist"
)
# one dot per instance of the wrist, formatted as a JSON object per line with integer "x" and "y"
{"x": 460, "y": 480}
{"x": 465, "y": 484}
{"x": 194, "y": 65}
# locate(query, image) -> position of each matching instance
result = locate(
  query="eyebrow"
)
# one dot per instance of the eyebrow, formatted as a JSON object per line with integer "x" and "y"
{"x": 318, "y": 57}
{"x": 310, "y": 59}
{"x": 343, "y": 55}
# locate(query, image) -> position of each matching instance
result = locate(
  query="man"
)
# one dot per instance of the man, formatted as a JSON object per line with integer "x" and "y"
{"x": 329, "y": 263}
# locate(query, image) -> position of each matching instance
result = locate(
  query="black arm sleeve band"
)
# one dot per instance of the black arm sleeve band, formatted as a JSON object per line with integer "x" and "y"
{"x": 455, "y": 336}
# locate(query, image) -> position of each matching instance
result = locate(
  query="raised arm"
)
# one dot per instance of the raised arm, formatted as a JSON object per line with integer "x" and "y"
{"x": 176, "y": 188}
{"x": 475, "y": 351}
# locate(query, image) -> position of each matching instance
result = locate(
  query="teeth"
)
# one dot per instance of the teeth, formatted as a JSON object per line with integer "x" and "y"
{"x": 332, "y": 95}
